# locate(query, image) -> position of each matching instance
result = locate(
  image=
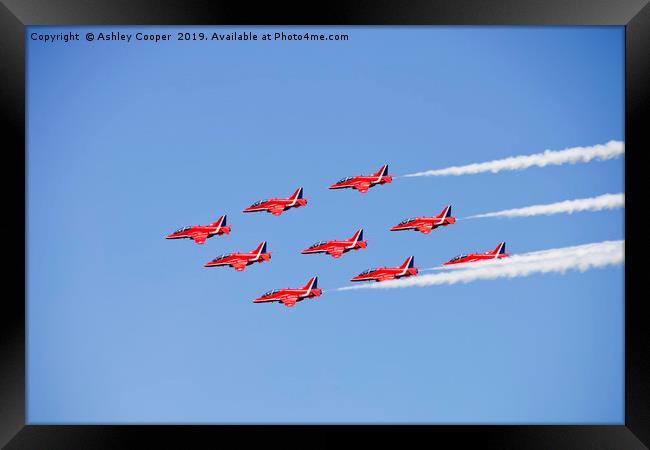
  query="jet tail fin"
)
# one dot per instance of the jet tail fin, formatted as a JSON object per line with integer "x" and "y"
{"x": 408, "y": 263}
{"x": 446, "y": 212}
{"x": 358, "y": 236}
{"x": 220, "y": 222}
{"x": 311, "y": 284}
{"x": 297, "y": 194}
{"x": 260, "y": 249}
{"x": 382, "y": 172}
{"x": 501, "y": 249}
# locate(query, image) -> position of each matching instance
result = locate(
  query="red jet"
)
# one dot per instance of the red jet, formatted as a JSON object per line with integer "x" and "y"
{"x": 202, "y": 232}
{"x": 388, "y": 273}
{"x": 426, "y": 224}
{"x": 497, "y": 253}
{"x": 337, "y": 248}
{"x": 240, "y": 260}
{"x": 290, "y": 296}
{"x": 364, "y": 182}
{"x": 277, "y": 206}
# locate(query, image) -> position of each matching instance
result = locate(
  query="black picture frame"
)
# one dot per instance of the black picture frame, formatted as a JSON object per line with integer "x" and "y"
{"x": 15, "y": 15}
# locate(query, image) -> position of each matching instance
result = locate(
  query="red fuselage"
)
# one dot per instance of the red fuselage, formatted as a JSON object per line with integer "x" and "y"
{"x": 388, "y": 273}
{"x": 426, "y": 224}
{"x": 337, "y": 248}
{"x": 497, "y": 253}
{"x": 199, "y": 233}
{"x": 290, "y": 296}
{"x": 473, "y": 257}
{"x": 239, "y": 261}
{"x": 364, "y": 182}
{"x": 277, "y": 206}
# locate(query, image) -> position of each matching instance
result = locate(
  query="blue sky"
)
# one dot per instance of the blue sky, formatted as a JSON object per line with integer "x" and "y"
{"x": 128, "y": 142}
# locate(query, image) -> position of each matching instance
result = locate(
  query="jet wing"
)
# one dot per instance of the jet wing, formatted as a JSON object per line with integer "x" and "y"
{"x": 426, "y": 229}
{"x": 276, "y": 210}
{"x": 362, "y": 187}
{"x": 200, "y": 238}
{"x": 336, "y": 252}
{"x": 239, "y": 265}
{"x": 289, "y": 300}
{"x": 385, "y": 277}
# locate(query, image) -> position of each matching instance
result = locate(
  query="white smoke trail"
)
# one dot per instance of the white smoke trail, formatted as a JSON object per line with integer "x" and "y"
{"x": 605, "y": 201}
{"x": 573, "y": 155}
{"x": 560, "y": 260}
